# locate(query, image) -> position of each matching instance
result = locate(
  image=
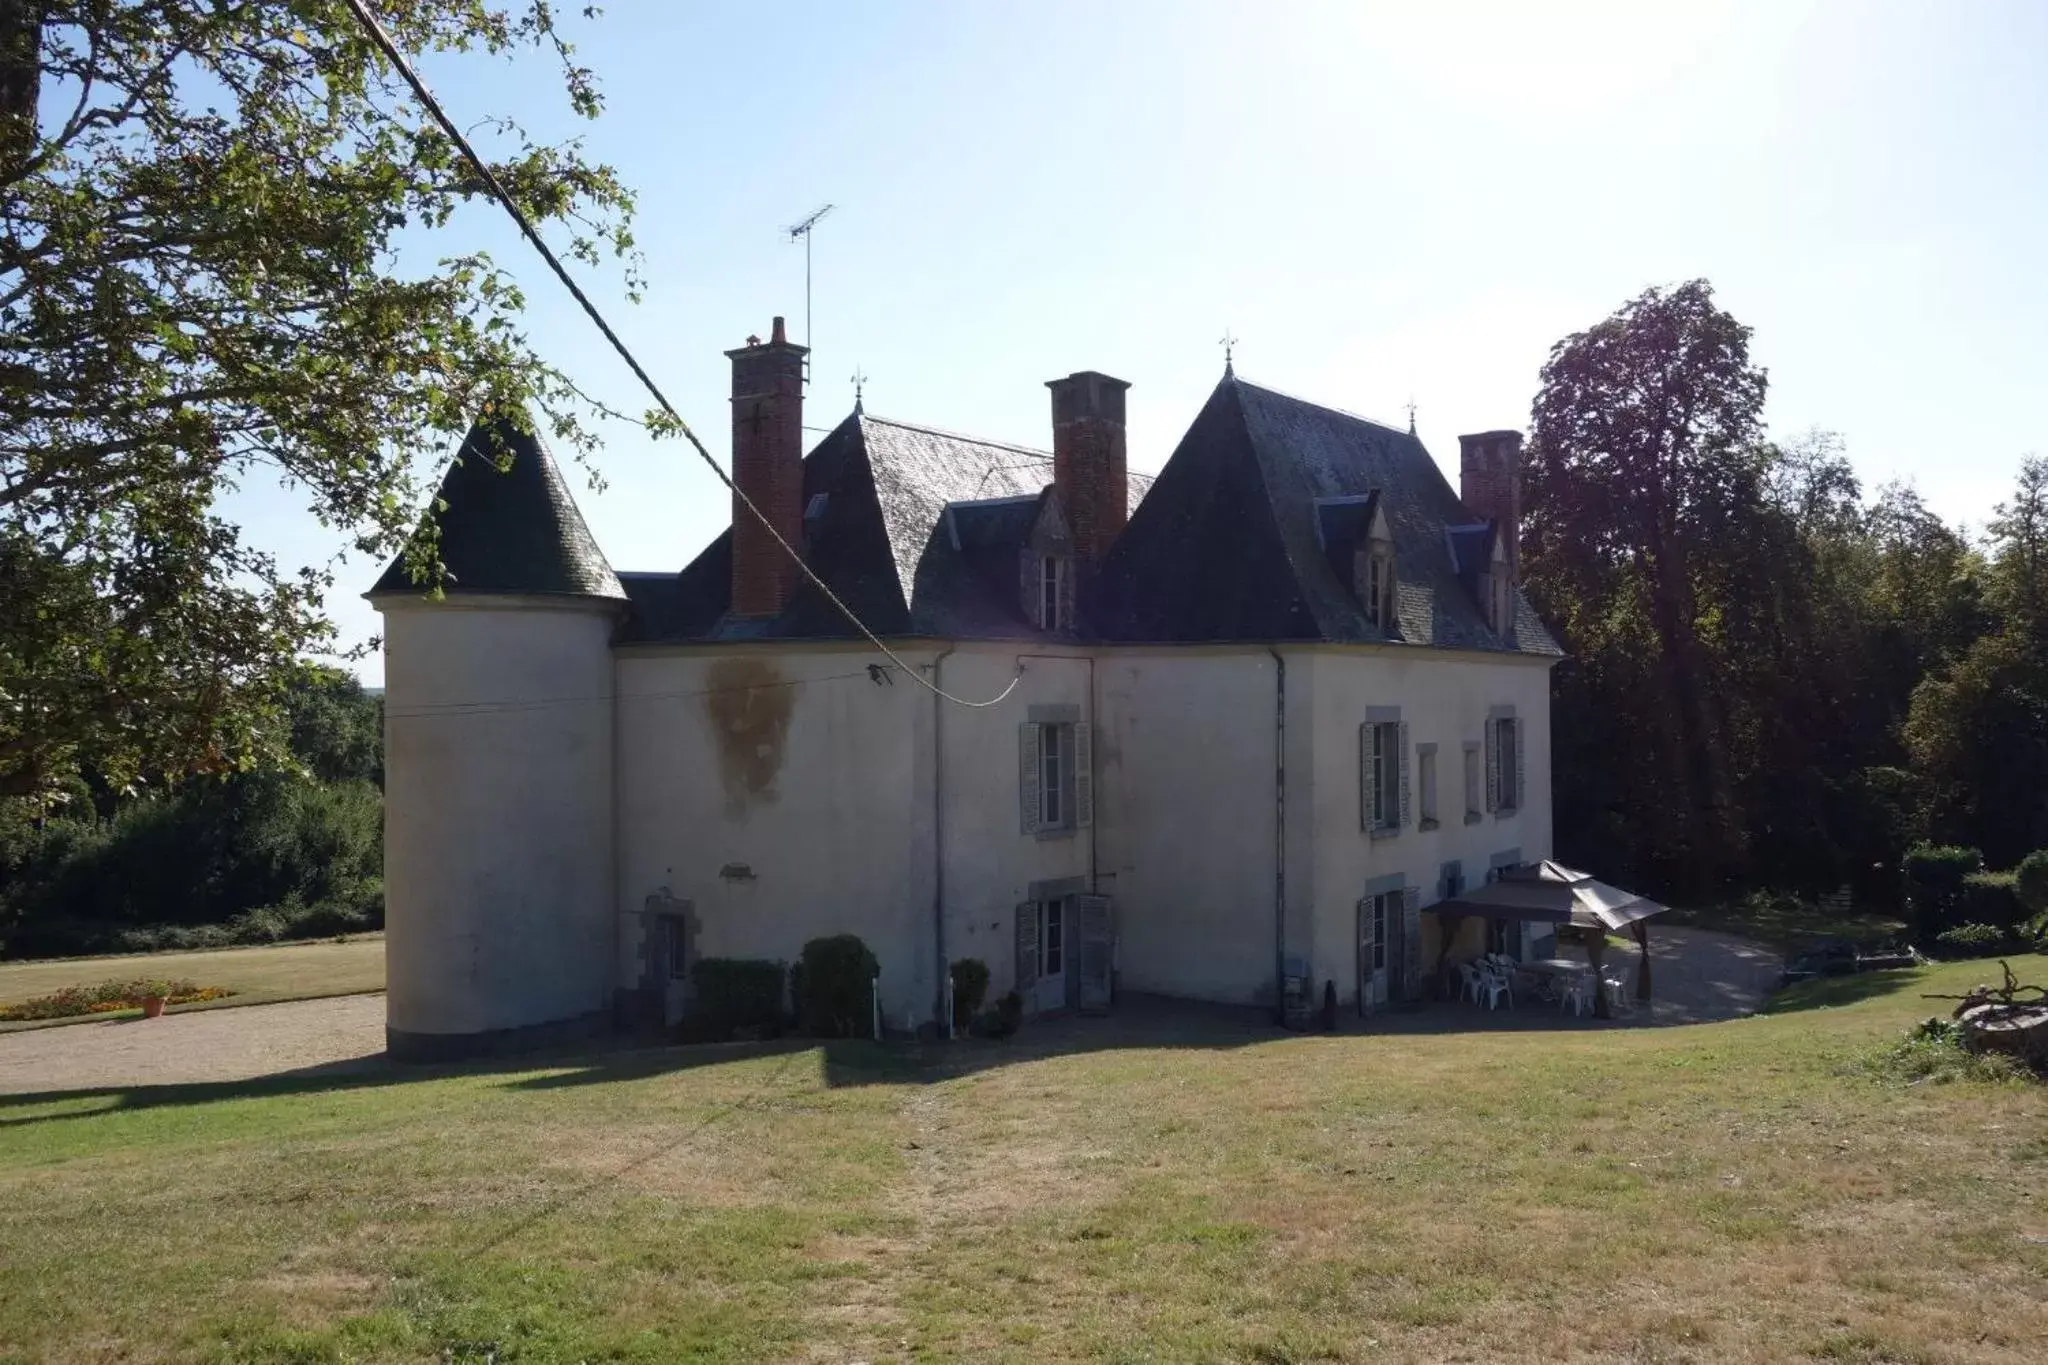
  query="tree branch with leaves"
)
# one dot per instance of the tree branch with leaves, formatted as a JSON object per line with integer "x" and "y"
{"x": 199, "y": 204}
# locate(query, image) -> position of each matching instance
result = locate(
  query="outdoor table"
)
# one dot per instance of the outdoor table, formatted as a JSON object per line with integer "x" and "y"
{"x": 1548, "y": 969}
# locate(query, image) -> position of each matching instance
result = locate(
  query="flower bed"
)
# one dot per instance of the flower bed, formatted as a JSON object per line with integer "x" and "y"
{"x": 109, "y": 996}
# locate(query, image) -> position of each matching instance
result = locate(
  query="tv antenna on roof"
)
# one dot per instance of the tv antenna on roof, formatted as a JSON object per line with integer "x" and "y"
{"x": 802, "y": 231}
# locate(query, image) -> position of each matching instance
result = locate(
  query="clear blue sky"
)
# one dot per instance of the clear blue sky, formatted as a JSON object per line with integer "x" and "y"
{"x": 1378, "y": 203}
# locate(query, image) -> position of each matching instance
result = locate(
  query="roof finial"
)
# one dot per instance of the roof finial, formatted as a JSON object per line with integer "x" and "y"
{"x": 859, "y": 381}
{"x": 1229, "y": 345}
{"x": 1411, "y": 414}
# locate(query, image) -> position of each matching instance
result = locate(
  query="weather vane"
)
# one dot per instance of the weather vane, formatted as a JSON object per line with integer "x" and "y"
{"x": 1229, "y": 345}
{"x": 1411, "y": 414}
{"x": 859, "y": 381}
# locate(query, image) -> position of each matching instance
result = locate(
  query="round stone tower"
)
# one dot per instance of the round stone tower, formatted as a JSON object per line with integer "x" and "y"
{"x": 498, "y": 764}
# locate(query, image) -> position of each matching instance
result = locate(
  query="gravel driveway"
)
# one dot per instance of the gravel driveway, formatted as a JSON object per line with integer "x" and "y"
{"x": 344, "y": 1032}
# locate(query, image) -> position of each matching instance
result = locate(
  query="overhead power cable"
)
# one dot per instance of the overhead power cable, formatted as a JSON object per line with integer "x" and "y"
{"x": 389, "y": 48}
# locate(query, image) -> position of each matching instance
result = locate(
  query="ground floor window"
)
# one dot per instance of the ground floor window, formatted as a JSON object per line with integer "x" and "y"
{"x": 1051, "y": 938}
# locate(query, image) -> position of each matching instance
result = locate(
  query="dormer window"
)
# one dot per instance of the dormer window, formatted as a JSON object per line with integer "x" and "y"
{"x": 1500, "y": 592}
{"x": 1376, "y": 584}
{"x": 1052, "y": 592}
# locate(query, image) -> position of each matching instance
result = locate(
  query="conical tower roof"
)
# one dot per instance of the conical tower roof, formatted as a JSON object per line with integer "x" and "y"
{"x": 515, "y": 531}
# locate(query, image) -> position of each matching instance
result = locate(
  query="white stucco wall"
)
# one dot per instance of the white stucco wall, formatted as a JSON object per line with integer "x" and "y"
{"x": 783, "y": 793}
{"x": 991, "y": 864}
{"x": 1185, "y": 776}
{"x": 793, "y": 763}
{"x": 497, "y": 813}
{"x": 1445, "y": 699}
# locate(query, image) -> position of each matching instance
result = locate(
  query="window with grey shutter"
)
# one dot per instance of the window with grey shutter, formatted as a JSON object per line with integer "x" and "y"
{"x": 1411, "y": 933}
{"x": 1521, "y": 769}
{"x": 1028, "y": 744}
{"x": 1082, "y": 771}
{"x": 1492, "y": 768}
{"x": 1097, "y": 941}
{"x": 1401, "y": 820}
{"x": 1027, "y": 949}
{"x": 1067, "y": 579}
{"x": 1366, "y": 940}
{"x": 1368, "y": 773}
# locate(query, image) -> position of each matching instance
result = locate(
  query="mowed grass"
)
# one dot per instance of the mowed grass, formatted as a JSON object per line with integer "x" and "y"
{"x": 257, "y": 976}
{"x": 1097, "y": 1190}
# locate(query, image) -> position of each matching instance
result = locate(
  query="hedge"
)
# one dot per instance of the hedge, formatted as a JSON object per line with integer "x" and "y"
{"x": 734, "y": 993}
{"x": 833, "y": 986}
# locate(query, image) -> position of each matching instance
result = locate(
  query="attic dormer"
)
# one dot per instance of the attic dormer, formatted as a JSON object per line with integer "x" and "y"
{"x": 1500, "y": 586}
{"x": 1046, "y": 570}
{"x": 1359, "y": 544}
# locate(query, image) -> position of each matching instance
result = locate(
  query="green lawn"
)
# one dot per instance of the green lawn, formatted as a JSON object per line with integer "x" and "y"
{"x": 1740, "y": 1191}
{"x": 257, "y": 976}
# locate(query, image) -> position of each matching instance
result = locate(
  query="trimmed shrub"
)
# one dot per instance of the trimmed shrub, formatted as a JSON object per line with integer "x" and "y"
{"x": 970, "y": 988}
{"x": 1009, "y": 1014}
{"x": 2030, "y": 882}
{"x": 833, "y": 985}
{"x": 1990, "y": 898}
{"x": 1935, "y": 875}
{"x": 733, "y": 993}
{"x": 1972, "y": 940}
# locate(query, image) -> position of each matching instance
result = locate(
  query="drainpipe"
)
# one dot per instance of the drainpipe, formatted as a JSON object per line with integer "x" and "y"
{"x": 939, "y": 838}
{"x": 1279, "y": 834}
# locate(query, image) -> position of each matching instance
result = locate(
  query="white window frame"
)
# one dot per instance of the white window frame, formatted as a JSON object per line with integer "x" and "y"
{"x": 1384, "y": 907}
{"x": 1052, "y": 574}
{"x": 1052, "y": 790}
{"x": 1385, "y": 757}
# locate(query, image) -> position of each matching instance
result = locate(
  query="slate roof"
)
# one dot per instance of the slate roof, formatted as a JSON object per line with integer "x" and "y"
{"x": 884, "y": 543}
{"x": 1230, "y": 544}
{"x": 509, "y": 531}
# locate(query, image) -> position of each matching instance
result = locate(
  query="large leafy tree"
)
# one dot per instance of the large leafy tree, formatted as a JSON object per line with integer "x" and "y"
{"x": 1646, "y": 463}
{"x": 199, "y": 204}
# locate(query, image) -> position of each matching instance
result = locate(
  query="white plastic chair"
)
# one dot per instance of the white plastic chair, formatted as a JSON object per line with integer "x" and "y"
{"x": 1470, "y": 976}
{"x": 1617, "y": 994}
{"x": 1497, "y": 988}
{"x": 1577, "y": 995}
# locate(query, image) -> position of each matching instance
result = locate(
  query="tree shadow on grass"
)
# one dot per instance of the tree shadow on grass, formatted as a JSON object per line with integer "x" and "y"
{"x": 1823, "y": 991}
{"x": 1137, "y": 1023}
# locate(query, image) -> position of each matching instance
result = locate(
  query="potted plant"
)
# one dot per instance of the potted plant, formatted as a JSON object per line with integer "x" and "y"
{"x": 153, "y": 993}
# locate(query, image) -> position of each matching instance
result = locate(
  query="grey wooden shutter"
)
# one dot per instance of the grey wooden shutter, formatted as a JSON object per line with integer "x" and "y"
{"x": 1368, "y": 777}
{"x": 1027, "y": 585}
{"x": 1411, "y": 941}
{"x": 1098, "y": 936}
{"x": 1027, "y": 950}
{"x": 1082, "y": 770}
{"x": 1069, "y": 573}
{"x": 1521, "y": 764}
{"x": 1492, "y": 767}
{"x": 1027, "y": 773}
{"x": 1365, "y": 955}
{"x": 1401, "y": 745}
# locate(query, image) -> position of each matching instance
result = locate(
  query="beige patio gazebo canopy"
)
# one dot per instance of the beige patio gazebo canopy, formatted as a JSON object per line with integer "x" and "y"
{"x": 1551, "y": 893}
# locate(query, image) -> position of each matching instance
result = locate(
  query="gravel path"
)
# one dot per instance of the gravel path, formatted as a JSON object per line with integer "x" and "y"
{"x": 1697, "y": 975}
{"x": 344, "y": 1032}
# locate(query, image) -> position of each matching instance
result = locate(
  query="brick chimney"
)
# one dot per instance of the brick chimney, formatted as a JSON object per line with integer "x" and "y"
{"x": 767, "y": 466}
{"x": 1088, "y": 460}
{"x": 1490, "y": 485}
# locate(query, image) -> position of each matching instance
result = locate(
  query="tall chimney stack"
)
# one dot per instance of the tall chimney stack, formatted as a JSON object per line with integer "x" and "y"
{"x": 1088, "y": 474}
{"x": 768, "y": 467}
{"x": 1490, "y": 486}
